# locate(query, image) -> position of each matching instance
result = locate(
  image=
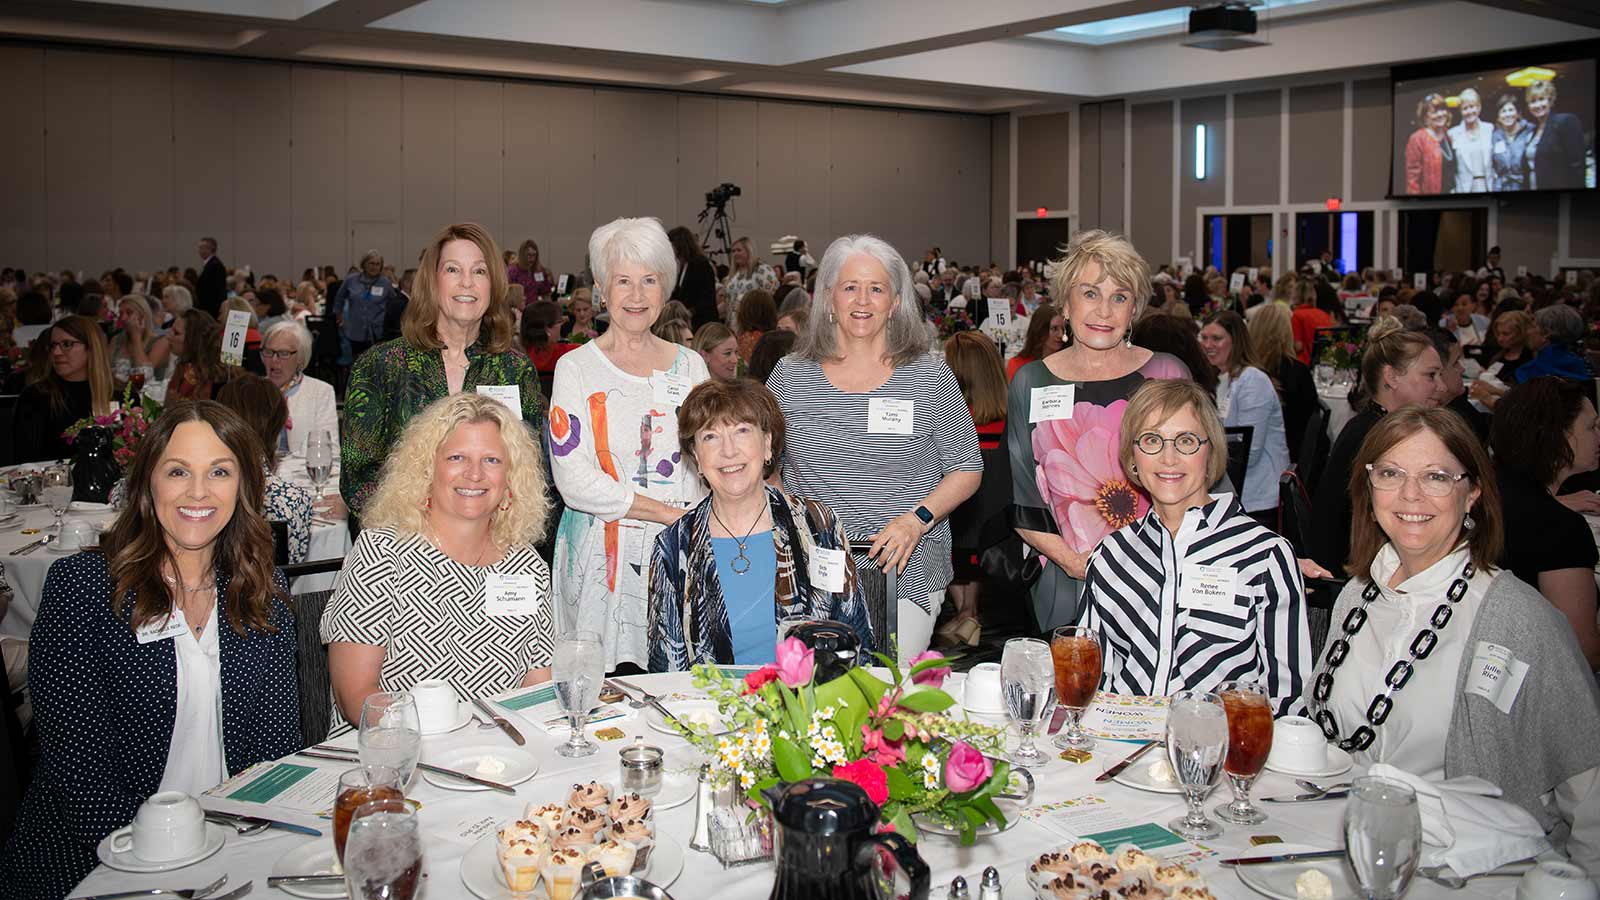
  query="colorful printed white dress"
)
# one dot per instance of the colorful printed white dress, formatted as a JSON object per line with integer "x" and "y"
{"x": 610, "y": 439}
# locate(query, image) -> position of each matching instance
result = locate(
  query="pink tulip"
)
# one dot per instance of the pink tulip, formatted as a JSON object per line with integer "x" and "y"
{"x": 966, "y": 768}
{"x": 796, "y": 662}
{"x": 934, "y": 677}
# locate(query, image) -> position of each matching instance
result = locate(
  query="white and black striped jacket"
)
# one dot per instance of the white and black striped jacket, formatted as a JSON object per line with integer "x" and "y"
{"x": 1157, "y": 646}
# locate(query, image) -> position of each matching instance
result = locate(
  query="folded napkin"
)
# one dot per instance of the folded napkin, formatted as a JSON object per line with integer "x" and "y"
{"x": 86, "y": 506}
{"x": 1466, "y": 826}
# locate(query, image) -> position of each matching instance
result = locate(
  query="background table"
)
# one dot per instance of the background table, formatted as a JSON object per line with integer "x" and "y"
{"x": 453, "y": 820}
{"x": 1338, "y": 402}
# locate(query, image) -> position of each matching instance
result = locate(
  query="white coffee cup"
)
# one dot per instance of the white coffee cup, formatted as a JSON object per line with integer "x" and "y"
{"x": 436, "y": 704}
{"x": 1556, "y": 880}
{"x": 168, "y": 826}
{"x": 982, "y": 690}
{"x": 75, "y": 536}
{"x": 1298, "y": 744}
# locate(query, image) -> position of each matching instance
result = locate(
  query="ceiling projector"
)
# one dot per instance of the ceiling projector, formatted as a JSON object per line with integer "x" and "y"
{"x": 1228, "y": 26}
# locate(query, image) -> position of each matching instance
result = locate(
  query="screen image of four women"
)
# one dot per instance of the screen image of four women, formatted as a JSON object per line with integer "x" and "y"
{"x": 1517, "y": 144}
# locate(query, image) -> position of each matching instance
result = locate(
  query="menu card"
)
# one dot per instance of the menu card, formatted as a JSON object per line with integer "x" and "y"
{"x": 300, "y": 792}
{"x": 1093, "y": 817}
{"x": 1125, "y": 717}
{"x": 540, "y": 706}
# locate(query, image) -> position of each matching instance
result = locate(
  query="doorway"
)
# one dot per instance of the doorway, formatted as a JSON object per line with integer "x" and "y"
{"x": 1347, "y": 236}
{"x": 1440, "y": 240}
{"x": 1040, "y": 240}
{"x": 1234, "y": 242}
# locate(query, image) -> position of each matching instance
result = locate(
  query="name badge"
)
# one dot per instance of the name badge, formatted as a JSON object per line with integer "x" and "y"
{"x": 539, "y": 277}
{"x": 827, "y": 569}
{"x": 1236, "y": 283}
{"x": 163, "y": 629}
{"x": 561, "y": 285}
{"x": 1420, "y": 280}
{"x": 1210, "y": 588}
{"x": 1054, "y": 402}
{"x": 511, "y": 595}
{"x": 887, "y": 415}
{"x": 1000, "y": 311}
{"x": 670, "y": 387}
{"x": 377, "y": 290}
{"x": 509, "y": 395}
{"x": 1496, "y": 675}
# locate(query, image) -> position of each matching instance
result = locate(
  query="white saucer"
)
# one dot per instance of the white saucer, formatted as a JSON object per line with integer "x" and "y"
{"x": 1276, "y": 880}
{"x": 520, "y": 766}
{"x": 681, "y": 708}
{"x": 1011, "y": 809}
{"x": 1339, "y": 762}
{"x": 311, "y": 858}
{"x": 125, "y": 861}
{"x": 53, "y": 547}
{"x": 463, "y": 716}
{"x": 480, "y": 869}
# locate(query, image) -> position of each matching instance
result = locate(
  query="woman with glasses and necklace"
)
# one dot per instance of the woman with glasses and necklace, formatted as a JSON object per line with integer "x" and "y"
{"x": 77, "y": 386}
{"x": 1195, "y": 592}
{"x": 1444, "y": 665}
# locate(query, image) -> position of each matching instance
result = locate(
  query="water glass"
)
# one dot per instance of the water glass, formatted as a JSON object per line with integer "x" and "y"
{"x": 1382, "y": 836}
{"x": 1078, "y": 658}
{"x": 319, "y": 459}
{"x": 383, "y": 853}
{"x": 1249, "y": 741}
{"x": 391, "y": 733}
{"x": 1197, "y": 743}
{"x": 1027, "y": 683}
{"x": 577, "y": 670}
{"x": 57, "y": 491}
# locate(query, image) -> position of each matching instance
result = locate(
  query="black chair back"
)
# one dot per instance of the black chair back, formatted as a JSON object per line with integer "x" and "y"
{"x": 878, "y": 590}
{"x": 311, "y": 664}
{"x": 1294, "y": 523}
{"x": 1239, "y": 438}
{"x": 1314, "y": 447}
{"x": 280, "y": 541}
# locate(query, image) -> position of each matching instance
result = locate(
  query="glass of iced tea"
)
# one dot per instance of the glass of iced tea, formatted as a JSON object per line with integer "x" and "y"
{"x": 1079, "y": 661}
{"x": 383, "y": 860}
{"x": 1249, "y": 741}
{"x": 358, "y": 786}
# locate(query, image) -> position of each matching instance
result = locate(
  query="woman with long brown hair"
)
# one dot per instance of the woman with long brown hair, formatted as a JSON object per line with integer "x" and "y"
{"x": 164, "y": 658}
{"x": 1045, "y": 330}
{"x": 77, "y": 385}
{"x": 196, "y": 341}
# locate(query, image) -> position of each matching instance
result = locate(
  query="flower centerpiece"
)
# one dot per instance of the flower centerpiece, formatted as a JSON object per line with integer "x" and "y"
{"x": 1010, "y": 337}
{"x": 891, "y": 738}
{"x": 1341, "y": 355}
{"x": 950, "y": 321}
{"x": 127, "y": 422}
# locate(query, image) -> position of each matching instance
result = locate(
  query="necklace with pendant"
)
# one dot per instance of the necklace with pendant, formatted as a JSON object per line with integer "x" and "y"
{"x": 740, "y": 563}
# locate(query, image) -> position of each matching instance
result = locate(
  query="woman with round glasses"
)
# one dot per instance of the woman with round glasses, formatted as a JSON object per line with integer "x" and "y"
{"x": 1193, "y": 593}
{"x": 1443, "y": 665}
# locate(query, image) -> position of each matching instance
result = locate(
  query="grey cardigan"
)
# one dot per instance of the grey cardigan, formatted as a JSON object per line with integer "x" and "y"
{"x": 1553, "y": 731}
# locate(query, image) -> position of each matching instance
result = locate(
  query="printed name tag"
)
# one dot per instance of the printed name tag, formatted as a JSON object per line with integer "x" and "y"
{"x": 1210, "y": 588}
{"x": 539, "y": 277}
{"x": 1000, "y": 311}
{"x": 1420, "y": 280}
{"x": 827, "y": 569}
{"x": 377, "y": 290}
{"x": 509, "y": 395}
{"x": 511, "y": 595}
{"x": 887, "y": 415}
{"x": 1236, "y": 283}
{"x": 1496, "y": 675}
{"x": 162, "y": 629}
{"x": 561, "y": 285}
{"x": 1053, "y": 402}
{"x": 670, "y": 388}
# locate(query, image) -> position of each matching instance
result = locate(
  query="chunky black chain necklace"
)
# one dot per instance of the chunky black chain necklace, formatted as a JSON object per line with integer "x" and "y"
{"x": 1399, "y": 674}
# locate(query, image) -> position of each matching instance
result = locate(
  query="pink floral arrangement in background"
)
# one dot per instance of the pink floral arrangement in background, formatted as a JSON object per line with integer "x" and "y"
{"x": 128, "y": 422}
{"x": 1080, "y": 478}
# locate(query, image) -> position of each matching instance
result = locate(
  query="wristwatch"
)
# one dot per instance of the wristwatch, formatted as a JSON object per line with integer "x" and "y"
{"x": 925, "y": 514}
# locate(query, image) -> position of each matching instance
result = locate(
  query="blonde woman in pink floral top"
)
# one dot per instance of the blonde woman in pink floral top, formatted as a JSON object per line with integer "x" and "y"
{"x": 1065, "y": 414}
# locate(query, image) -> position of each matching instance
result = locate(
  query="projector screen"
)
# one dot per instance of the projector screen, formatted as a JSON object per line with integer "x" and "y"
{"x": 1527, "y": 127}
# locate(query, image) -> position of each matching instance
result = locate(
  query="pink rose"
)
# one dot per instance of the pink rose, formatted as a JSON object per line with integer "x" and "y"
{"x": 869, "y": 775}
{"x": 796, "y": 662}
{"x": 755, "y": 680}
{"x": 935, "y": 676}
{"x": 880, "y": 749}
{"x": 965, "y": 768}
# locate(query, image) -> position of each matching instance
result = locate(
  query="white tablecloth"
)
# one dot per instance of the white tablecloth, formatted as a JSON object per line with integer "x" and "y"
{"x": 1338, "y": 402}
{"x": 446, "y": 815}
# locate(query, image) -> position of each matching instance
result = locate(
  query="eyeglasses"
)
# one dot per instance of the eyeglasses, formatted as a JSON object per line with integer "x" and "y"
{"x": 278, "y": 354}
{"x": 64, "y": 345}
{"x": 1188, "y": 443}
{"x": 1434, "y": 482}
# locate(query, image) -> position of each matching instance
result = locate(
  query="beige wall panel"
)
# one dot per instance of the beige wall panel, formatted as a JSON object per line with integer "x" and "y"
{"x": 203, "y": 140}
{"x": 1113, "y": 168}
{"x": 373, "y": 164}
{"x": 1585, "y": 232}
{"x": 479, "y": 144}
{"x": 262, "y": 176}
{"x": 141, "y": 205}
{"x": 779, "y": 187}
{"x": 572, "y": 174}
{"x": 526, "y": 177}
{"x": 1528, "y": 233}
{"x": 812, "y": 164}
{"x": 428, "y": 163}
{"x": 22, "y": 159}
{"x": 655, "y": 157}
{"x": 1000, "y": 216}
{"x": 1370, "y": 117}
{"x": 859, "y": 173}
{"x": 1044, "y": 161}
{"x": 1316, "y": 143}
{"x": 1152, "y": 182}
{"x": 616, "y": 134}
{"x": 1089, "y": 151}
{"x": 738, "y": 138}
{"x": 1212, "y": 190}
{"x": 968, "y": 201}
{"x": 925, "y": 150}
{"x": 320, "y": 171}
{"x": 697, "y": 157}
{"x": 78, "y": 177}
{"x": 1256, "y": 143}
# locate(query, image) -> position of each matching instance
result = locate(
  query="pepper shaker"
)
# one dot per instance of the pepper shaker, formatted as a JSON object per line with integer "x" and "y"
{"x": 958, "y": 889}
{"x": 703, "y": 805}
{"x": 990, "y": 888}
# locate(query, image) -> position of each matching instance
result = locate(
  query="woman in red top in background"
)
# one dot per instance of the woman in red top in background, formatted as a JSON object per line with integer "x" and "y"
{"x": 1428, "y": 146}
{"x": 976, "y": 364}
{"x": 541, "y": 335}
{"x": 1306, "y": 319}
{"x": 1044, "y": 338}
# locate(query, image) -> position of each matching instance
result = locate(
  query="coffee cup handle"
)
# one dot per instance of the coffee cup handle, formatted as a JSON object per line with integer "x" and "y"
{"x": 122, "y": 839}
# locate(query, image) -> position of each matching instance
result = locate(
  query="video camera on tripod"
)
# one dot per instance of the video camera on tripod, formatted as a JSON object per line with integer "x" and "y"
{"x": 718, "y": 197}
{"x": 720, "y": 225}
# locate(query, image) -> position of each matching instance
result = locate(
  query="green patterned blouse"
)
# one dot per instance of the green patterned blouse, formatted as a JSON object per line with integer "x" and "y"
{"x": 394, "y": 381}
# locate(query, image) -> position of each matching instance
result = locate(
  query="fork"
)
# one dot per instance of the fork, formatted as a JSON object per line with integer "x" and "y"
{"x": 1315, "y": 788}
{"x": 183, "y": 893}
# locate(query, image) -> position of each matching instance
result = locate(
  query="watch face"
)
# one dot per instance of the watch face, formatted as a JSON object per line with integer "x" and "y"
{"x": 924, "y": 514}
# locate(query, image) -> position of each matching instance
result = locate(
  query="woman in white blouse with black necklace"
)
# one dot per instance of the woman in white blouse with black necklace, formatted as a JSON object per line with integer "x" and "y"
{"x": 1194, "y": 593}
{"x": 1401, "y": 681}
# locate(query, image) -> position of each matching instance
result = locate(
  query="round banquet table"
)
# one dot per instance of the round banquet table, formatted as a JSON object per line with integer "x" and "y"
{"x": 1339, "y": 412}
{"x": 452, "y": 821}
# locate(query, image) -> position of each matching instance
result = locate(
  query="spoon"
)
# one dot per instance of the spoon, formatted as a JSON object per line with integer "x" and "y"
{"x": 1315, "y": 788}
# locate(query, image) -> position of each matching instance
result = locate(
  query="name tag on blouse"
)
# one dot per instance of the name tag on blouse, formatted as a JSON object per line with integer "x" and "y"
{"x": 1496, "y": 675}
{"x": 509, "y": 395}
{"x": 511, "y": 595}
{"x": 1210, "y": 588}
{"x": 827, "y": 569}
{"x": 162, "y": 629}
{"x": 670, "y": 388}
{"x": 887, "y": 415}
{"x": 1053, "y": 402}
{"x": 377, "y": 291}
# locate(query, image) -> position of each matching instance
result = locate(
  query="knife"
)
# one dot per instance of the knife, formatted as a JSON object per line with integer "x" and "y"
{"x": 1284, "y": 857}
{"x": 1306, "y": 798}
{"x": 271, "y": 823}
{"x": 280, "y": 880}
{"x": 1116, "y": 770}
{"x": 650, "y": 700}
{"x": 504, "y": 723}
{"x": 426, "y": 767}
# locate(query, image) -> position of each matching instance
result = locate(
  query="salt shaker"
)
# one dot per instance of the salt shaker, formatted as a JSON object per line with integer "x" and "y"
{"x": 703, "y": 804}
{"x": 958, "y": 889}
{"x": 990, "y": 888}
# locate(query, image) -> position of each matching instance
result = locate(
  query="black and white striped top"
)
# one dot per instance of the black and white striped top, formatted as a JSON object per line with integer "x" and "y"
{"x": 869, "y": 479}
{"x": 1162, "y": 641}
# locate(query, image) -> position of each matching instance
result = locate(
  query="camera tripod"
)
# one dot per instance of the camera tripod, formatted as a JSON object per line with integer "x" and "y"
{"x": 719, "y": 226}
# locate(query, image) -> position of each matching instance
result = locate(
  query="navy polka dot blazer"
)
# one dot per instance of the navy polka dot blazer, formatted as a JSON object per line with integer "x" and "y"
{"x": 105, "y": 705}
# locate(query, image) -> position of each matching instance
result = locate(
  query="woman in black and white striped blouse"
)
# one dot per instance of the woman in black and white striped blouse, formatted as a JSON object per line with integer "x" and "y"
{"x": 1195, "y": 592}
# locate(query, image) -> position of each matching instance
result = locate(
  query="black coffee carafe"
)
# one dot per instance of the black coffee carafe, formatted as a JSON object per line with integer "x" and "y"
{"x": 825, "y": 847}
{"x": 834, "y": 644}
